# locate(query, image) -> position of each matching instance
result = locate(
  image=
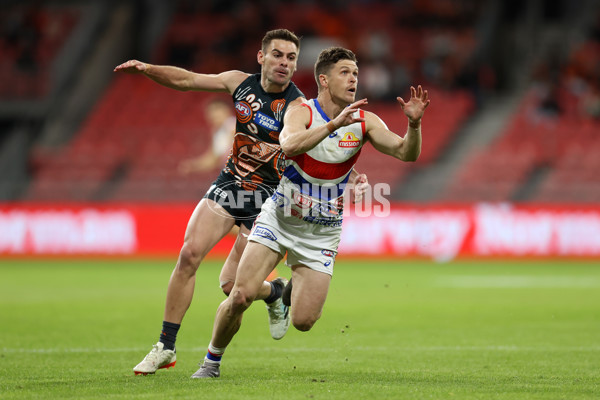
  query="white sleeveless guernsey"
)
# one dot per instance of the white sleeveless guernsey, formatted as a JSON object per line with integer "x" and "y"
{"x": 320, "y": 175}
{"x": 304, "y": 215}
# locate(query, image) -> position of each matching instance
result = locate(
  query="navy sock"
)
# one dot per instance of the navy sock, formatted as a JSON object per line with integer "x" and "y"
{"x": 168, "y": 335}
{"x": 286, "y": 295}
{"x": 275, "y": 293}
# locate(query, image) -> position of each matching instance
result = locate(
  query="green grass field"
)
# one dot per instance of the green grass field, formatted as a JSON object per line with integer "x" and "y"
{"x": 400, "y": 329}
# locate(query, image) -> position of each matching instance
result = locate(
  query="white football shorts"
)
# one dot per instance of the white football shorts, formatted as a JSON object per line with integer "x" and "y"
{"x": 306, "y": 243}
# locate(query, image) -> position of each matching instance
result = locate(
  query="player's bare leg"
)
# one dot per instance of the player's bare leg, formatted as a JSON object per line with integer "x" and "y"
{"x": 207, "y": 226}
{"x": 308, "y": 297}
{"x": 229, "y": 270}
{"x": 198, "y": 242}
{"x": 256, "y": 264}
{"x": 278, "y": 312}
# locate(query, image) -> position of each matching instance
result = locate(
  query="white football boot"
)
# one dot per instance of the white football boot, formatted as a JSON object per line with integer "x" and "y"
{"x": 279, "y": 314}
{"x": 157, "y": 358}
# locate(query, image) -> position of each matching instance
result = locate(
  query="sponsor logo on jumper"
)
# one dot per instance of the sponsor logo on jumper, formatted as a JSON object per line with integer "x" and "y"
{"x": 302, "y": 201}
{"x": 267, "y": 122}
{"x": 349, "y": 140}
{"x": 261, "y": 102}
{"x": 243, "y": 111}
{"x": 264, "y": 232}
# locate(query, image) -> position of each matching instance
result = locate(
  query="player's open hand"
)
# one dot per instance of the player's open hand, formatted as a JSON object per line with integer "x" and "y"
{"x": 346, "y": 117}
{"x": 131, "y": 67}
{"x": 415, "y": 107}
{"x": 360, "y": 185}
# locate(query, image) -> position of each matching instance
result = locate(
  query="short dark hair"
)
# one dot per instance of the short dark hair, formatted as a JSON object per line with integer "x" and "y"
{"x": 282, "y": 34}
{"x": 328, "y": 58}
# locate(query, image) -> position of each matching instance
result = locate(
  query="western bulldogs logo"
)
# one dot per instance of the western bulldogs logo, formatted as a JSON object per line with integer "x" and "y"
{"x": 243, "y": 111}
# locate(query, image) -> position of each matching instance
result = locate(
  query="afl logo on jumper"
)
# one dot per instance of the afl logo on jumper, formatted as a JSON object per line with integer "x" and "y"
{"x": 243, "y": 111}
{"x": 349, "y": 140}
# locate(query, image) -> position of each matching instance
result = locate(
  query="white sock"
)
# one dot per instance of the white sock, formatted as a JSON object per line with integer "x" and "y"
{"x": 214, "y": 354}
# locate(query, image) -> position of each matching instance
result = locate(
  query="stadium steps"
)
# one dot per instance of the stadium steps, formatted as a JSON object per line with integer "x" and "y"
{"x": 90, "y": 79}
{"x": 532, "y": 184}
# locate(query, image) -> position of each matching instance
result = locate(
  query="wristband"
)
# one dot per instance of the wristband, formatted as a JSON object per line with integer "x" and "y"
{"x": 330, "y": 127}
{"x": 414, "y": 125}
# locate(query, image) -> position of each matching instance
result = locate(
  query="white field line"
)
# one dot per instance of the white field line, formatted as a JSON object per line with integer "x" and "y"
{"x": 516, "y": 281}
{"x": 313, "y": 349}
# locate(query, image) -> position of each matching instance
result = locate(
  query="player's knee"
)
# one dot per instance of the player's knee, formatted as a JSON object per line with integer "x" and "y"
{"x": 305, "y": 323}
{"x": 189, "y": 259}
{"x": 226, "y": 287}
{"x": 240, "y": 300}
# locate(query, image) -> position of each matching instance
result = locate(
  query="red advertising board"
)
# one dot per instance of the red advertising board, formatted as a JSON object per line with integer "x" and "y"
{"x": 437, "y": 231}
{"x": 483, "y": 229}
{"x": 96, "y": 229}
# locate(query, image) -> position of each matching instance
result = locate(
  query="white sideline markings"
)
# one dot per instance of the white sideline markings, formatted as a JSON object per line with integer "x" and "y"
{"x": 516, "y": 281}
{"x": 312, "y": 349}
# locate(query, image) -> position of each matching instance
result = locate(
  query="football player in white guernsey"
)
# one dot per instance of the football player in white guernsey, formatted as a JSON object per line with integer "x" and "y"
{"x": 321, "y": 140}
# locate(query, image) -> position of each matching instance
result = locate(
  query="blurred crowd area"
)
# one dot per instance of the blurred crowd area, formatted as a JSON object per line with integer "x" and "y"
{"x": 129, "y": 143}
{"x": 568, "y": 85}
{"x": 31, "y": 35}
{"x": 397, "y": 42}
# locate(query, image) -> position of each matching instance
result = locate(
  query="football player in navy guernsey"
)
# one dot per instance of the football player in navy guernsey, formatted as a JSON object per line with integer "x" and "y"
{"x": 251, "y": 173}
{"x": 321, "y": 139}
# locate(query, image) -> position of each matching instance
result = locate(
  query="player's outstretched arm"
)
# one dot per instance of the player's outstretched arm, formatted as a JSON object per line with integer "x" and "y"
{"x": 296, "y": 139}
{"x": 182, "y": 79}
{"x": 407, "y": 148}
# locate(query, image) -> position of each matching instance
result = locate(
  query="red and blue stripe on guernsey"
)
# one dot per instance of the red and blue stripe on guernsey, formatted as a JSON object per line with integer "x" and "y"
{"x": 329, "y": 163}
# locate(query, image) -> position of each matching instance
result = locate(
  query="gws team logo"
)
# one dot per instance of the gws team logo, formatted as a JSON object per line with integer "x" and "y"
{"x": 264, "y": 232}
{"x": 243, "y": 111}
{"x": 277, "y": 107}
{"x": 349, "y": 140}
